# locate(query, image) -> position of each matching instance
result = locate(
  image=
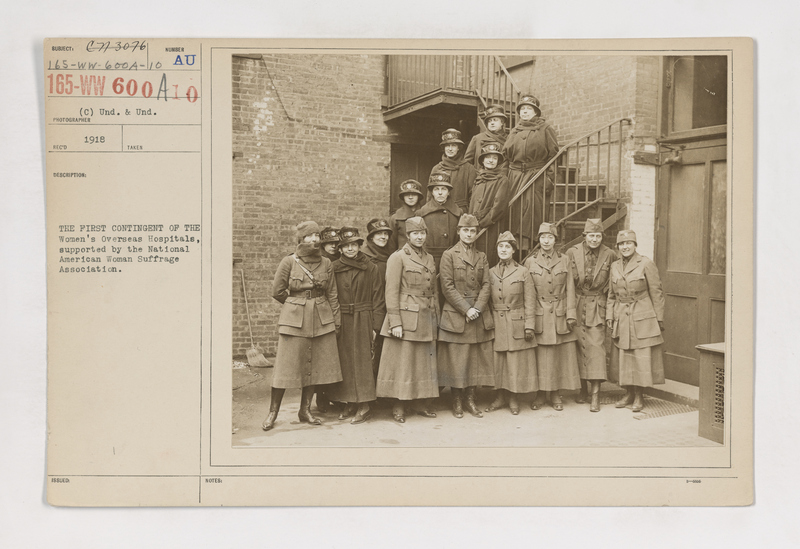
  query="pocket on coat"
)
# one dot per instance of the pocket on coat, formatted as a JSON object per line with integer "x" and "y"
{"x": 646, "y": 324}
{"x": 324, "y": 312}
{"x": 460, "y": 274}
{"x": 292, "y": 312}
{"x": 518, "y": 324}
{"x": 413, "y": 277}
{"x": 409, "y": 314}
{"x": 452, "y": 321}
{"x": 561, "y": 318}
{"x": 637, "y": 285}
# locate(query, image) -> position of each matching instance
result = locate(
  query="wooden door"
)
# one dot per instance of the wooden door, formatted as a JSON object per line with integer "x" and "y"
{"x": 690, "y": 254}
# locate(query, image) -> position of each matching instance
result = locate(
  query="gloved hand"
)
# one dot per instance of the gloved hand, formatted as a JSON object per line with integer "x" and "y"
{"x": 610, "y": 324}
{"x": 528, "y": 334}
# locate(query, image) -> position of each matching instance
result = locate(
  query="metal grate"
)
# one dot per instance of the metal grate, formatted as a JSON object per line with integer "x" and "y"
{"x": 719, "y": 394}
{"x": 655, "y": 407}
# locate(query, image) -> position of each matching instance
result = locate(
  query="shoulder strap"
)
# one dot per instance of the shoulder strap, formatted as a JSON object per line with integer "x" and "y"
{"x": 311, "y": 276}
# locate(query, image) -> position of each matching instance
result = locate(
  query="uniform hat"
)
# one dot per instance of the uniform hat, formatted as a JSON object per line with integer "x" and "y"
{"x": 468, "y": 220}
{"x": 348, "y": 235}
{"x": 508, "y": 237}
{"x": 593, "y": 226}
{"x": 548, "y": 228}
{"x": 451, "y": 136}
{"x": 491, "y": 148}
{"x": 328, "y": 235}
{"x": 624, "y": 236}
{"x": 439, "y": 178}
{"x": 529, "y": 100}
{"x": 411, "y": 186}
{"x": 495, "y": 111}
{"x": 306, "y": 228}
{"x": 377, "y": 225}
{"x": 415, "y": 223}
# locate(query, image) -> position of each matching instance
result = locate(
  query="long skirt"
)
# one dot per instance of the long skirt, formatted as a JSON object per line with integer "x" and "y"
{"x": 463, "y": 365}
{"x": 516, "y": 371}
{"x": 592, "y": 352}
{"x": 642, "y": 367}
{"x": 558, "y": 366}
{"x": 304, "y": 361}
{"x": 407, "y": 370}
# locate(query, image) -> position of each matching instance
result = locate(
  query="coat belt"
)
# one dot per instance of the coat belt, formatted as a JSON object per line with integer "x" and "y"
{"x": 418, "y": 293}
{"x": 350, "y": 308}
{"x": 506, "y": 308}
{"x": 550, "y": 298}
{"x": 633, "y": 298}
{"x": 308, "y": 293}
{"x": 522, "y": 166}
{"x": 588, "y": 294}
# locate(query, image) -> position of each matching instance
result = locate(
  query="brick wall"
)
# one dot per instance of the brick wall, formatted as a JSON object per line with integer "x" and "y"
{"x": 305, "y": 127}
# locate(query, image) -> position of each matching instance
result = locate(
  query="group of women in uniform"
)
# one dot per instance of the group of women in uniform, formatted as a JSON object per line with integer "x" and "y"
{"x": 419, "y": 308}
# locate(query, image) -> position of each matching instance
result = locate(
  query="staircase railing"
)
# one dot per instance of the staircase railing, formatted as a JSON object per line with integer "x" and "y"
{"x": 579, "y": 176}
{"x": 494, "y": 85}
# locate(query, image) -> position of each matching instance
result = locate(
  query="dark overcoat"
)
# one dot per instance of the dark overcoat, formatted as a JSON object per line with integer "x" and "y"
{"x": 361, "y": 302}
{"x": 442, "y": 223}
{"x": 514, "y": 307}
{"x": 462, "y": 178}
{"x": 555, "y": 297}
{"x": 635, "y": 303}
{"x": 464, "y": 278}
{"x": 478, "y": 141}
{"x": 397, "y": 221}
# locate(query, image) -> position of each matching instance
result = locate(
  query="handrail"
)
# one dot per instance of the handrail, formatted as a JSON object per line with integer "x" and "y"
{"x": 505, "y": 70}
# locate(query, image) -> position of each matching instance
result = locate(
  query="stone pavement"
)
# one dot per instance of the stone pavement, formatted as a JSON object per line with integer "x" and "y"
{"x": 661, "y": 424}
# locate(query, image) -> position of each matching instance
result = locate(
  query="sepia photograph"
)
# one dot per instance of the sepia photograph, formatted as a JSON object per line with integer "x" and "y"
{"x": 480, "y": 250}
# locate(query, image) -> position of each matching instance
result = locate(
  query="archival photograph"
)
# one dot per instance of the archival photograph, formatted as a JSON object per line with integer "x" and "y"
{"x": 460, "y": 250}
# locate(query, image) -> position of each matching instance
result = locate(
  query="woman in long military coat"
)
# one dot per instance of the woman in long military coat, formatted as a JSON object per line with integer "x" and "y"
{"x": 489, "y": 202}
{"x": 411, "y": 196}
{"x": 554, "y": 319}
{"x": 591, "y": 263}
{"x": 408, "y": 363}
{"x": 514, "y": 308}
{"x": 466, "y": 329}
{"x": 361, "y": 302}
{"x": 441, "y": 215}
{"x": 635, "y": 314}
{"x": 462, "y": 173}
{"x": 496, "y": 120}
{"x": 307, "y": 354}
{"x": 529, "y": 146}
{"x": 378, "y": 251}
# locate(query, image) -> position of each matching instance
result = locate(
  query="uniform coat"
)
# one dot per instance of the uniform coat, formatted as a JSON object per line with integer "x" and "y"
{"x": 555, "y": 292}
{"x": 489, "y": 204}
{"x": 307, "y": 353}
{"x": 591, "y": 308}
{"x": 378, "y": 256}
{"x": 397, "y": 221}
{"x": 530, "y": 145}
{"x": 462, "y": 178}
{"x": 478, "y": 141}
{"x": 408, "y": 365}
{"x": 465, "y": 349}
{"x": 514, "y": 309}
{"x": 636, "y": 305}
{"x": 442, "y": 223}
{"x": 361, "y": 302}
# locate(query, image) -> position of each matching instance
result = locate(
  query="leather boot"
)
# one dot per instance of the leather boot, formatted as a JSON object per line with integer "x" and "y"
{"x": 625, "y": 400}
{"x": 581, "y": 398}
{"x": 305, "y": 407}
{"x": 498, "y": 402}
{"x": 638, "y": 400}
{"x": 556, "y": 402}
{"x": 427, "y": 408}
{"x": 458, "y": 409}
{"x": 537, "y": 402}
{"x": 399, "y": 412}
{"x": 595, "y": 405}
{"x": 471, "y": 408}
{"x": 274, "y": 408}
{"x": 513, "y": 403}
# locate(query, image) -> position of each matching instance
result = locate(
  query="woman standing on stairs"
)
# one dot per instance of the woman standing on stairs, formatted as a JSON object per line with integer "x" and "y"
{"x": 307, "y": 352}
{"x": 530, "y": 145}
{"x": 496, "y": 120}
{"x": 635, "y": 315}
{"x": 461, "y": 173}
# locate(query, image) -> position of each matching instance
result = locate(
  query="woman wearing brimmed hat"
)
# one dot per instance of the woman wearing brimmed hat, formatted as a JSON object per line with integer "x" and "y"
{"x": 514, "y": 308}
{"x": 466, "y": 328}
{"x": 307, "y": 355}
{"x": 408, "y": 363}
{"x": 556, "y": 356}
{"x": 496, "y": 120}
{"x": 462, "y": 173}
{"x": 378, "y": 251}
{"x": 441, "y": 216}
{"x": 635, "y": 315}
{"x": 361, "y": 303}
{"x": 329, "y": 243}
{"x": 489, "y": 201}
{"x": 530, "y": 145}
{"x": 591, "y": 262}
{"x": 411, "y": 196}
